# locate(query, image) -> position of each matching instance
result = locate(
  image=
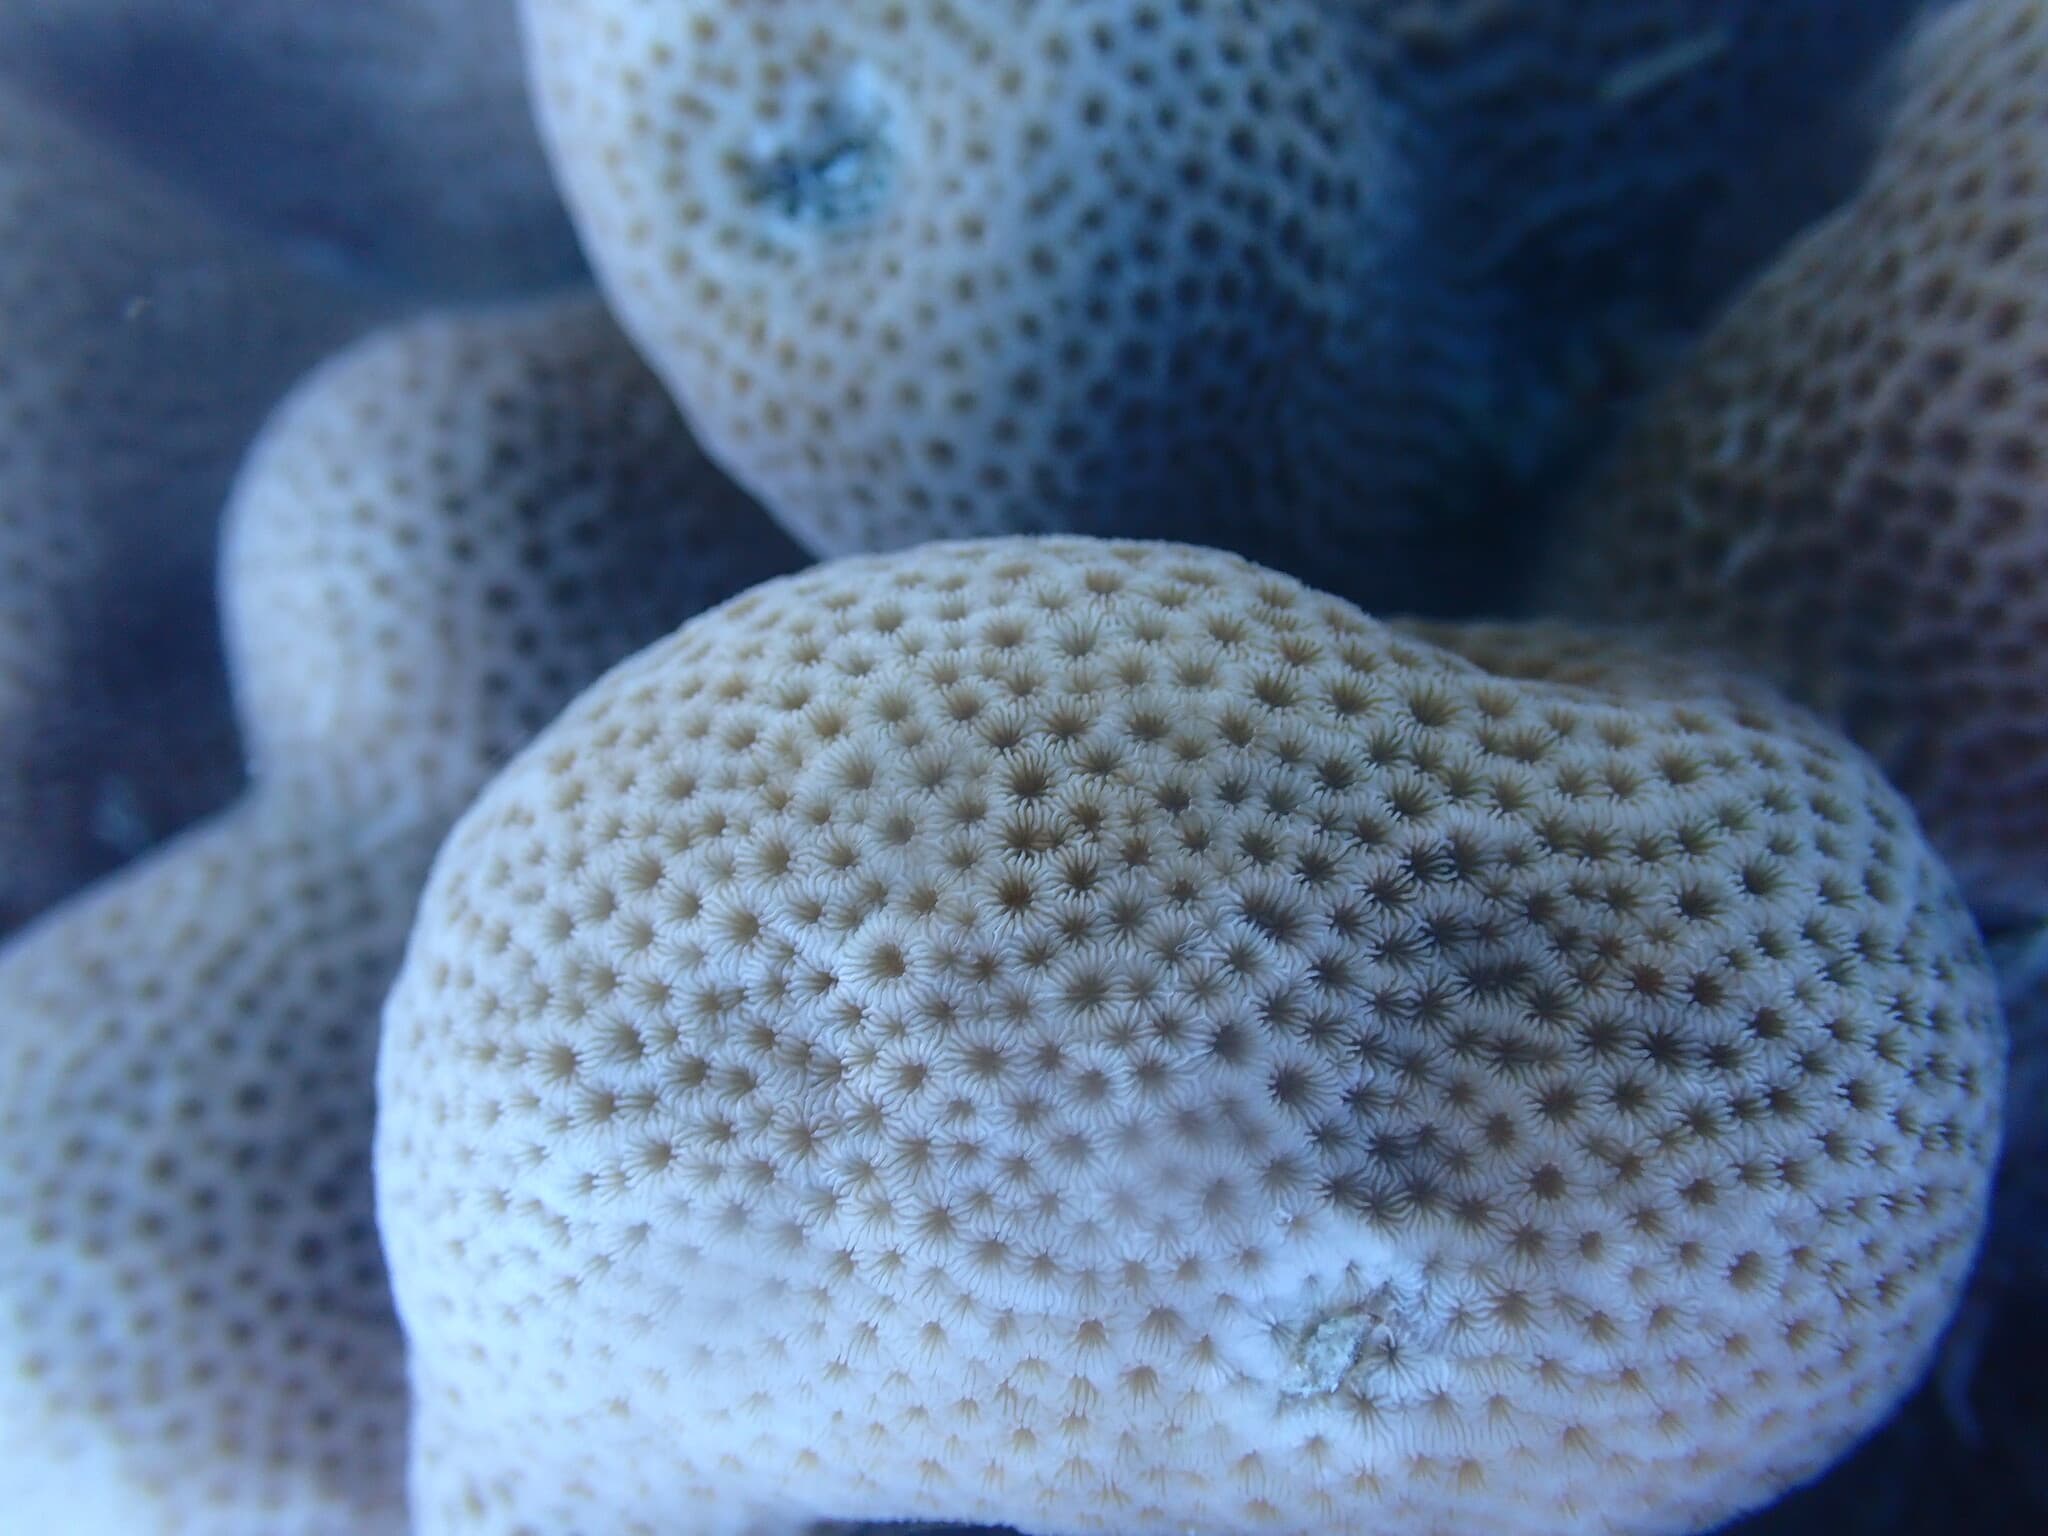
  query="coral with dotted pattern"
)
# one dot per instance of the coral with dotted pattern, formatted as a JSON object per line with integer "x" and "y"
{"x": 441, "y": 536}
{"x": 924, "y": 270}
{"x": 1103, "y": 1037}
{"x": 389, "y": 137}
{"x": 1846, "y": 483}
{"x": 140, "y": 345}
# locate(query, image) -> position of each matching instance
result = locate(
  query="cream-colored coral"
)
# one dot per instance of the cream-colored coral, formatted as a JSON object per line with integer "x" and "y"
{"x": 1103, "y": 1037}
{"x": 440, "y": 537}
{"x": 140, "y": 345}
{"x": 390, "y": 137}
{"x": 928, "y": 270}
{"x": 1846, "y": 483}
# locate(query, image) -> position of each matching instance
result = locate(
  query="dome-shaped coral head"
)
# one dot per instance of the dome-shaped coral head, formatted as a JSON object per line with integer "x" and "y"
{"x": 1847, "y": 483}
{"x": 1103, "y": 1037}
{"x": 442, "y": 535}
{"x": 448, "y": 531}
{"x": 928, "y": 270}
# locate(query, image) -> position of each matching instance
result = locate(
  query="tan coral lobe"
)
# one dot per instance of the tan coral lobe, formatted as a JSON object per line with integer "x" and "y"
{"x": 1846, "y": 486}
{"x": 516, "y": 493}
{"x": 928, "y": 270}
{"x": 1097, "y": 1036}
{"x": 441, "y": 535}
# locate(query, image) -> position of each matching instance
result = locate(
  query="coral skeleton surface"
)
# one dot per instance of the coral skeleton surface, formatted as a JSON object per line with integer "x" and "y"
{"x": 1101, "y": 1036}
{"x": 927, "y": 270}
{"x": 1846, "y": 483}
{"x": 1319, "y": 281}
{"x": 141, "y": 343}
{"x": 440, "y": 536}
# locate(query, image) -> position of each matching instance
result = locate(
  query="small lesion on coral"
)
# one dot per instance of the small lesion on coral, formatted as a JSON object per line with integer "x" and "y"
{"x": 1347, "y": 1346}
{"x": 832, "y": 162}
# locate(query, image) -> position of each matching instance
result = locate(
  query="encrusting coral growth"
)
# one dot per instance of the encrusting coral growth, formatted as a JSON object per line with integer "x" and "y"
{"x": 141, "y": 344}
{"x": 439, "y": 537}
{"x": 1103, "y": 1037}
{"x": 1846, "y": 483}
{"x": 391, "y": 137}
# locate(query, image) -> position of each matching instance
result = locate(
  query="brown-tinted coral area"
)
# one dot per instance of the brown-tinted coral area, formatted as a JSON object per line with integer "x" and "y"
{"x": 1848, "y": 484}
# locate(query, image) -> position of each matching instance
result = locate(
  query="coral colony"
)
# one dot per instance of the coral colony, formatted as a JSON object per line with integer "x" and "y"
{"x": 1067, "y": 1034}
{"x": 1149, "y": 766}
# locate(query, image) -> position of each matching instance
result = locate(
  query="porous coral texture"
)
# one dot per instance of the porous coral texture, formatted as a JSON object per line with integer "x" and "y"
{"x": 389, "y": 137}
{"x": 1846, "y": 483}
{"x": 140, "y": 345}
{"x": 197, "y": 1336}
{"x": 925, "y": 270}
{"x": 441, "y": 536}
{"x": 1103, "y": 1037}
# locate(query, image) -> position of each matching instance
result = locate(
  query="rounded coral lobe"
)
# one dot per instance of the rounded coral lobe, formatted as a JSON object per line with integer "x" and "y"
{"x": 1103, "y": 1036}
{"x": 1845, "y": 483}
{"x": 196, "y": 1336}
{"x": 450, "y": 527}
{"x": 924, "y": 270}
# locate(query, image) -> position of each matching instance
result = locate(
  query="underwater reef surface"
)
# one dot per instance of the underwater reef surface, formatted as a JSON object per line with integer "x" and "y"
{"x": 1391, "y": 294}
